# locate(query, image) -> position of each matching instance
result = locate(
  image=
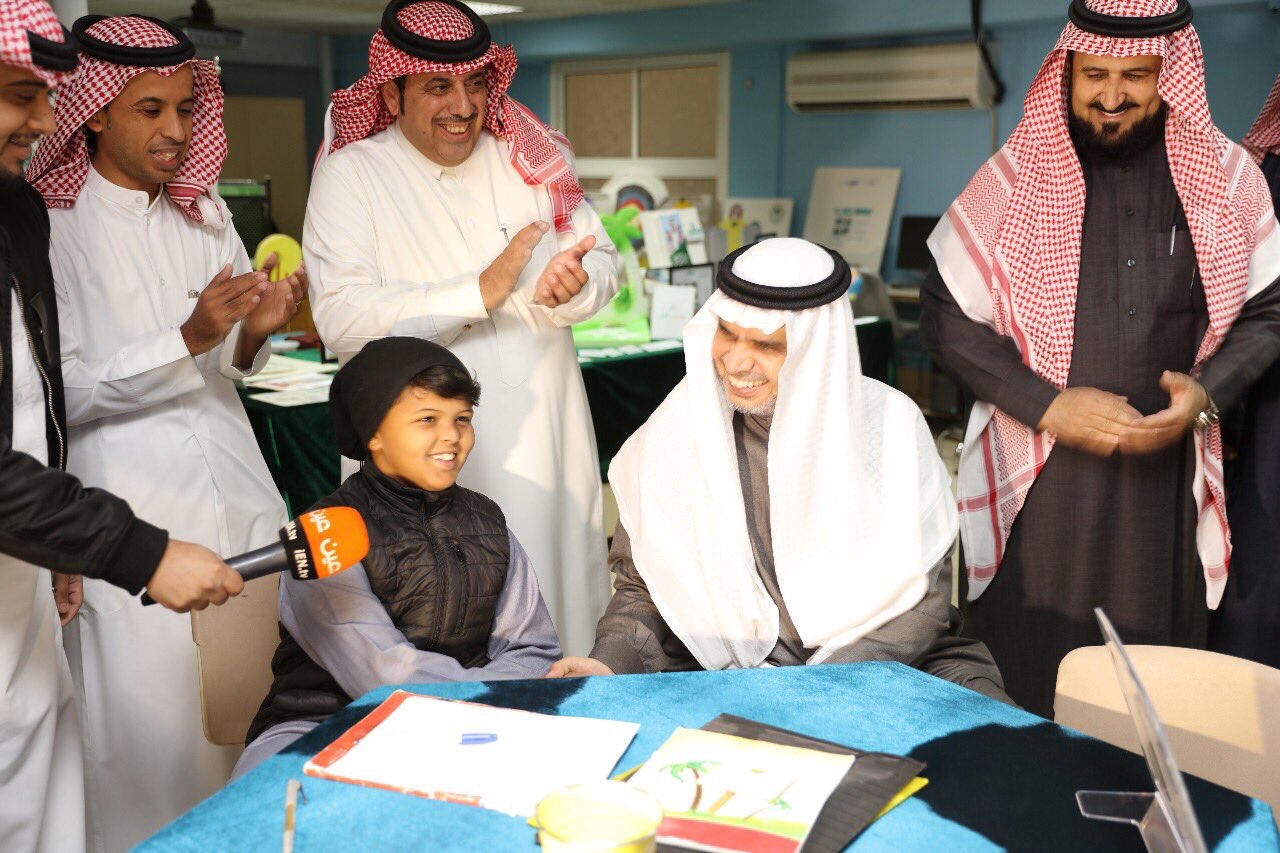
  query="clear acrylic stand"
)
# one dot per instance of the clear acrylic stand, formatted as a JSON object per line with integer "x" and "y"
{"x": 1165, "y": 818}
{"x": 1148, "y": 812}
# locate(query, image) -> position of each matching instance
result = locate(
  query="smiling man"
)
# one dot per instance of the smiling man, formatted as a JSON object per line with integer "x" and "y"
{"x": 20, "y": 90}
{"x": 1104, "y": 285}
{"x": 160, "y": 311}
{"x": 779, "y": 508}
{"x": 443, "y": 209}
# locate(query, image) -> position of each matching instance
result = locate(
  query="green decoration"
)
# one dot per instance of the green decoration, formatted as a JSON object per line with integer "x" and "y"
{"x": 622, "y": 228}
{"x": 625, "y": 320}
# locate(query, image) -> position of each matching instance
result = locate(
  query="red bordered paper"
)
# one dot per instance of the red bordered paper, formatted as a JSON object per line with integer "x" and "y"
{"x": 471, "y": 753}
{"x": 319, "y": 766}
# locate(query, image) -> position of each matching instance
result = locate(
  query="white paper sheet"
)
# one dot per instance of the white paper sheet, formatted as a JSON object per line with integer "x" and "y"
{"x": 662, "y": 346}
{"x": 745, "y": 794}
{"x": 672, "y": 308}
{"x": 509, "y": 759}
{"x": 292, "y": 382}
{"x": 303, "y": 397}
{"x": 283, "y": 365}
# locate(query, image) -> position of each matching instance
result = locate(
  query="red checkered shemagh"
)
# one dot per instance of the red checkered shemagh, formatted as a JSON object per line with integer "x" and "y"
{"x": 1264, "y": 137}
{"x": 1009, "y": 248}
{"x": 358, "y": 111}
{"x": 20, "y": 18}
{"x": 61, "y": 163}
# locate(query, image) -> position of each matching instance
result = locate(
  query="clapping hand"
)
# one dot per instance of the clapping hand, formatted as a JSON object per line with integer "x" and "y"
{"x": 499, "y": 279}
{"x": 225, "y": 301}
{"x": 564, "y": 276}
{"x": 279, "y": 303}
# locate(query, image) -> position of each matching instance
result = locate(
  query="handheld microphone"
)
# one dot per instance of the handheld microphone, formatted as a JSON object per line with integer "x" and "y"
{"x": 316, "y": 544}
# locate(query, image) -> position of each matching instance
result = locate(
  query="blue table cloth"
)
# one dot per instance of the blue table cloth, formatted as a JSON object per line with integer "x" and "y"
{"x": 998, "y": 777}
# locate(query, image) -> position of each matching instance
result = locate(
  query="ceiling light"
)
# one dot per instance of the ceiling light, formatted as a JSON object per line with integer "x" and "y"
{"x": 483, "y": 9}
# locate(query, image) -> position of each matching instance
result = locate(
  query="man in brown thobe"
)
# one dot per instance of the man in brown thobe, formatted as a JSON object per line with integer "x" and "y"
{"x": 1120, "y": 198}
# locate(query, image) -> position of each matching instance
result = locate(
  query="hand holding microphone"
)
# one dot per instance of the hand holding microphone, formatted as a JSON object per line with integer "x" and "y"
{"x": 191, "y": 577}
{"x": 317, "y": 544}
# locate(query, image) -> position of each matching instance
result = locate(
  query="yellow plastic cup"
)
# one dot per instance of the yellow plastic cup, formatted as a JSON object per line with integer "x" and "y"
{"x": 598, "y": 817}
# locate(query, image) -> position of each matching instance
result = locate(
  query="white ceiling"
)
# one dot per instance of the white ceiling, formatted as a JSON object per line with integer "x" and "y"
{"x": 360, "y": 15}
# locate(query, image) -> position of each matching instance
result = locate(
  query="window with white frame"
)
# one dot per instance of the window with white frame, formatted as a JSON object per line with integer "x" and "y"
{"x": 659, "y": 116}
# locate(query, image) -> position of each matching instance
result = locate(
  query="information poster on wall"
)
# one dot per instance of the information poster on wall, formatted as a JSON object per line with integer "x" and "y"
{"x": 850, "y": 210}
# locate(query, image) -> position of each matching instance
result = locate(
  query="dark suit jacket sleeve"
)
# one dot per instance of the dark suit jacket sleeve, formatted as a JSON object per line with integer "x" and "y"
{"x": 49, "y": 519}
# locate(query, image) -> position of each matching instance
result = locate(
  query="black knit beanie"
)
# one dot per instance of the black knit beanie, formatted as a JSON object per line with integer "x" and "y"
{"x": 367, "y": 386}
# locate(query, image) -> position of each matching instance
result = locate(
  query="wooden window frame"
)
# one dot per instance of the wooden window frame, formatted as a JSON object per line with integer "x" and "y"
{"x": 715, "y": 168}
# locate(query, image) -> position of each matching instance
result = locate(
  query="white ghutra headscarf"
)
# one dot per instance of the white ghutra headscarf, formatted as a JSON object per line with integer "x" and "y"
{"x": 860, "y": 504}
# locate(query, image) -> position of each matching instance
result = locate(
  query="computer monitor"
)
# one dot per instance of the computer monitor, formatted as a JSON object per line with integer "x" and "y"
{"x": 913, "y": 246}
{"x": 1165, "y": 817}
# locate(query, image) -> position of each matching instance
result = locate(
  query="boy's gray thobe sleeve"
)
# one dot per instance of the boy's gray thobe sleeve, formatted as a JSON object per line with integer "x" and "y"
{"x": 343, "y": 626}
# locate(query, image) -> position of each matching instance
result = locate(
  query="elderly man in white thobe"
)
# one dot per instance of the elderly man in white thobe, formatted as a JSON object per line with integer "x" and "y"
{"x": 444, "y": 209}
{"x": 160, "y": 310}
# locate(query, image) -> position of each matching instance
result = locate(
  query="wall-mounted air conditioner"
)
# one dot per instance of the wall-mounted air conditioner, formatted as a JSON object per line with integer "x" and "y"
{"x": 936, "y": 76}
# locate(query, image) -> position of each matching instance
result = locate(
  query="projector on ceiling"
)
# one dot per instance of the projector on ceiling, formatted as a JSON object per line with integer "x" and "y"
{"x": 201, "y": 28}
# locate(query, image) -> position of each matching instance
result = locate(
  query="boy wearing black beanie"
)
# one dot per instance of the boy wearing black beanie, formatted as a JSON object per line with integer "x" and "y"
{"x": 446, "y": 592}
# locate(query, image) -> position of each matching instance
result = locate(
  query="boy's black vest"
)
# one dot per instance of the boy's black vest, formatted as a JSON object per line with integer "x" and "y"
{"x": 437, "y": 561}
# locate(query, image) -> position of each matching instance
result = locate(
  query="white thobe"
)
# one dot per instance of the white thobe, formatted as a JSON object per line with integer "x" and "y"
{"x": 166, "y": 432}
{"x": 41, "y": 776}
{"x": 395, "y": 245}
